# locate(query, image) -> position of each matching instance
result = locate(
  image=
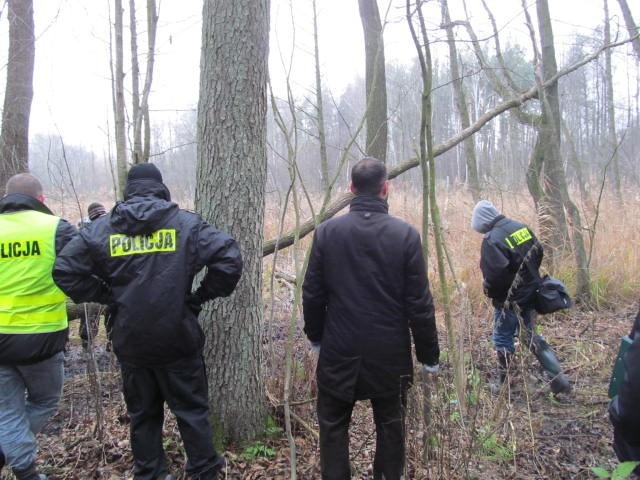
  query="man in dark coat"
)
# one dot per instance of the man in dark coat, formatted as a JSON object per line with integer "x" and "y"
{"x": 365, "y": 294}
{"x": 33, "y": 321}
{"x": 510, "y": 258}
{"x": 623, "y": 409}
{"x": 141, "y": 260}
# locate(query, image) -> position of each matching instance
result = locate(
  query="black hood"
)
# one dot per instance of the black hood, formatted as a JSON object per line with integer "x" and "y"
{"x": 16, "y": 202}
{"x": 145, "y": 210}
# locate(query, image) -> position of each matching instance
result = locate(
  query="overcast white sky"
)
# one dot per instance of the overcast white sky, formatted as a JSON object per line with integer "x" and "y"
{"x": 72, "y": 80}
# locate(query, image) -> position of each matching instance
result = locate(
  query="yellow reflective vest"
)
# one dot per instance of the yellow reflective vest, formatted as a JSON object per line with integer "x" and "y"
{"x": 30, "y": 301}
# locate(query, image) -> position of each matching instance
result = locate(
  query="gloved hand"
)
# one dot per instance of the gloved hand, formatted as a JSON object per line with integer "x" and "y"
{"x": 194, "y": 302}
{"x": 430, "y": 368}
{"x": 315, "y": 346}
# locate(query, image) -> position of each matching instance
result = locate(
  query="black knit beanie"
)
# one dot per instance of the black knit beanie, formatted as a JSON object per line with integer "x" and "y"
{"x": 144, "y": 171}
{"x": 96, "y": 210}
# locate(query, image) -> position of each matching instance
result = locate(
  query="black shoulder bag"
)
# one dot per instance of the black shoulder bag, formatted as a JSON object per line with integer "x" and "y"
{"x": 551, "y": 293}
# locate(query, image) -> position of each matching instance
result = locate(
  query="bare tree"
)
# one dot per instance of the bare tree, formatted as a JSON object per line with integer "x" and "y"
{"x": 141, "y": 138}
{"x": 508, "y": 104}
{"x": 230, "y": 194}
{"x": 632, "y": 27}
{"x": 555, "y": 199}
{"x": 461, "y": 105}
{"x": 375, "y": 80}
{"x": 118, "y": 99}
{"x": 322, "y": 138}
{"x": 14, "y": 137}
{"x": 611, "y": 107}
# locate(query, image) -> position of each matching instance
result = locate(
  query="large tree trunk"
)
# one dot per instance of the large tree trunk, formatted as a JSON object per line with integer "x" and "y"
{"x": 14, "y": 138}
{"x": 555, "y": 199}
{"x": 230, "y": 194}
{"x": 376, "y": 80}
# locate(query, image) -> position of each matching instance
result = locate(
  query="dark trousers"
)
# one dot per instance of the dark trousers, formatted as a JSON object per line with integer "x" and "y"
{"x": 183, "y": 386}
{"x": 334, "y": 417}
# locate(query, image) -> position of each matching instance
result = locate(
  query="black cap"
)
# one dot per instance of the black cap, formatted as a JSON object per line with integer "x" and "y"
{"x": 144, "y": 171}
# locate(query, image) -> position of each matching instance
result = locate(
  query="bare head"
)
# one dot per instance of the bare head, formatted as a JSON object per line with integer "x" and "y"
{"x": 369, "y": 177}
{"x": 26, "y": 184}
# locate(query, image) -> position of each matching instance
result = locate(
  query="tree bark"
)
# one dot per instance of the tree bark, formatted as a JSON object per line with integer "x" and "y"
{"x": 611, "y": 108}
{"x": 461, "y": 106}
{"x": 118, "y": 101}
{"x": 632, "y": 27}
{"x": 232, "y": 165}
{"x": 14, "y": 137}
{"x": 322, "y": 138}
{"x": 375, "y": 79}
{"x": 136, "y": 150}
{"x": 556, "y": 199}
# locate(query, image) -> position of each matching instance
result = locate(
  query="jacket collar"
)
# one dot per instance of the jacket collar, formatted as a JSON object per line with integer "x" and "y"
{"x": 369, "y": 203}
{"x": 16, "y": 202}
{"x": 495, "y": 221}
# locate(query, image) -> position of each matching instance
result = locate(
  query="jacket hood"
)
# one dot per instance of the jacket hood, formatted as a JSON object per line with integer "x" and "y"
{"x": 484, "y": 216}
{"x": 15, "y": 202}
{"x": 145, "y": 210}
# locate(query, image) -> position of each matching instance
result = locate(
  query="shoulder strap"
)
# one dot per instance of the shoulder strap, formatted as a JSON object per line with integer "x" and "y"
{"x": 525, "y": 264}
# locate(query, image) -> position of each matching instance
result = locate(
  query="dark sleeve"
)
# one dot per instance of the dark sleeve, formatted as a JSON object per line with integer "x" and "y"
{"x": 494, "y": 264}
{"x": 635, "y": 331}
{"x": 314, "y": 294}
{"x": 73, "y": 273}
{"x": 64, "y": 233}
{"x": 419, "y": 307}
{"x": 624, "y": 412}
{"x": 223, "y": 262}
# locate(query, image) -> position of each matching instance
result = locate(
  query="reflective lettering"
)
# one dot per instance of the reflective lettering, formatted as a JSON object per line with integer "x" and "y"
{"x": 163, "y": 240}
{"x": 19, "y": 249}
{"x": 518, "y": 237}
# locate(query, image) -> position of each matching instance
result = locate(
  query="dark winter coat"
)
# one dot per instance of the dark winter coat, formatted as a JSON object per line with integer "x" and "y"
{"x": 364, "y": 294}
{"x": 504, "y": 247}
{"x": 623, "y": 409}
{"x": 33, "y": 348}
{"x": 147, "y": 277}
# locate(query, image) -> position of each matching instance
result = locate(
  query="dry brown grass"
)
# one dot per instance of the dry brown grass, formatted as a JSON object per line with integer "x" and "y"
{"x": 516, "y": 433}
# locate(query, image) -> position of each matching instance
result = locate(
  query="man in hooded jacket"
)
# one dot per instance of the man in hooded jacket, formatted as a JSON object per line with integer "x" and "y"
{"x": 33, "y": 321}
{"x": 365, "y": 294}
{"x": 141, "y": 260}
{"x": 510, "y": 258}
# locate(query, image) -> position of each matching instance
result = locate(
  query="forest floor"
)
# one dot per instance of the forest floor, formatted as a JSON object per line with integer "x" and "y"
{"x": 520, "y": 432}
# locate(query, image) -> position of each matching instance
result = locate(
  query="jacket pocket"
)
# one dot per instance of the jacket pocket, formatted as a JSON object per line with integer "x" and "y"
{"x": 338, "y": 374}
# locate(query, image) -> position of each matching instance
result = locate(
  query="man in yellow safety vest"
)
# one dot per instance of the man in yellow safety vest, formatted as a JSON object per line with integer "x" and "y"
{"x": 33, "y": 321}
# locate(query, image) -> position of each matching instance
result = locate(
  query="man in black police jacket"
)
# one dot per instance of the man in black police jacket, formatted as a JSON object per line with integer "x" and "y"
{"x": 510, "y": 257}
{"x": 141, "y": 260}
{"x": 365, "y": 293}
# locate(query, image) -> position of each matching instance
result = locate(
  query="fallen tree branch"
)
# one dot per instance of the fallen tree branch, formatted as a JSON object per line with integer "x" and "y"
{"x": 343, "y": 199}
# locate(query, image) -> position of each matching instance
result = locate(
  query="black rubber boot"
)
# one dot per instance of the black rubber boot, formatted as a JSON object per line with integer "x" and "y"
{"x": 549, "y": 362}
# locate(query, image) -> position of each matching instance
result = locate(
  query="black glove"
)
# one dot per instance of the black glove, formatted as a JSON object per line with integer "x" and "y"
{"x": 194, "y": 302}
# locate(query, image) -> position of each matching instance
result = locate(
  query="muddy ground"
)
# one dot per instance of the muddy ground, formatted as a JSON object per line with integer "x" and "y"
{"x": 520, "y": 432}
